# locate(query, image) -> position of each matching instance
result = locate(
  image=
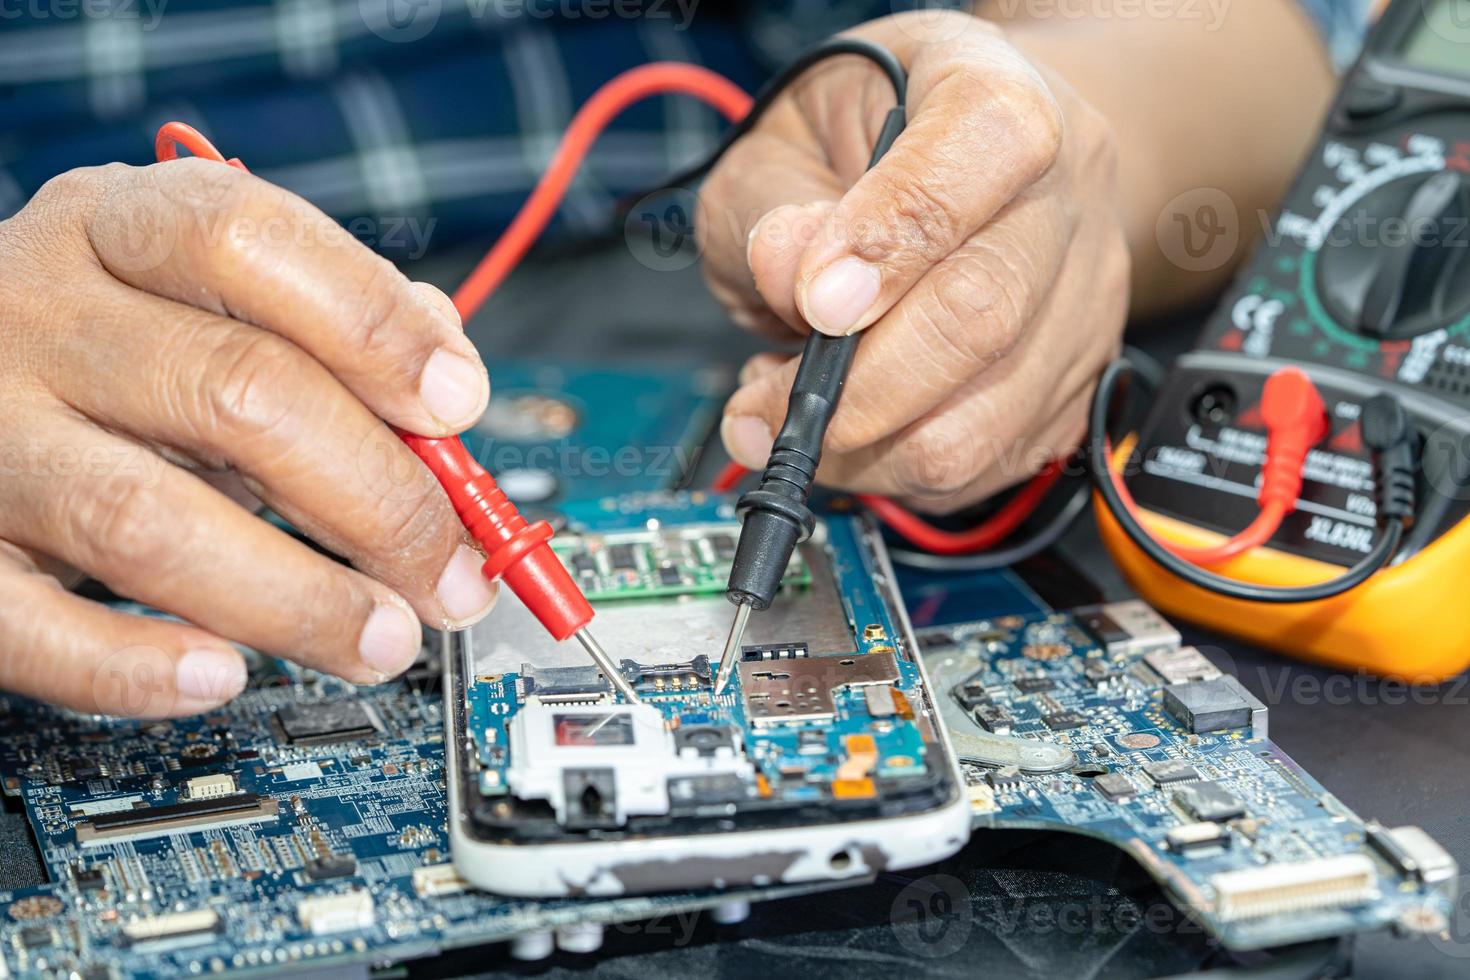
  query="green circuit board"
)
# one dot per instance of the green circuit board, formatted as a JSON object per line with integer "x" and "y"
{"x": 653, "y": 562}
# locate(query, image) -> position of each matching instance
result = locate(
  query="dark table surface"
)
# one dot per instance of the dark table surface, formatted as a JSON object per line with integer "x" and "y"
{"x": 1021, "y": 904}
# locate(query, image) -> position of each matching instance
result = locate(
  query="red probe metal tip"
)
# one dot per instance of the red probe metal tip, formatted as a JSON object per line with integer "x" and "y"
{"x": 516, "y": 552}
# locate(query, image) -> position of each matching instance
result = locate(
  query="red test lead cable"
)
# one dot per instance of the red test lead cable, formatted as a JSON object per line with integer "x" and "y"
{"x": 1296, "y": 420}
{"x": 516, "y": 551}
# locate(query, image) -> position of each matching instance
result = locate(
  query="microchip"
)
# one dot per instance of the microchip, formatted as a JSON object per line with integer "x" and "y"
{"x": 331, "y": 866}
{"x": 669, "y": 575}
{"x": 622, "y": 556}
{"x": 1034, "y": 685}
{"x": 1098, "y": 673}
{"x": 583, "y": 564}
{"x": 994, "y": 718}
{"x": 1209, "y": 801}
{"x": 35, "y": 937}
{"x": 1169, "y": 771}
{"x": 971, "y": 694}
{"x": 1115, "y": 786}
{"x": 1215, "y": 705}
{"x": 1005, "y": 777}
{"x": 724, "y": 546}
{"x": 89, "y": 879}
{"x": 324, "y": 724}
{"x": 1062, "y": 721}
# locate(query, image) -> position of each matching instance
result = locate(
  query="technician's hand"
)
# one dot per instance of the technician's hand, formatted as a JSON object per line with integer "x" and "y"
{"x": 171, "y": 337}
{"x": 983, "y": 258}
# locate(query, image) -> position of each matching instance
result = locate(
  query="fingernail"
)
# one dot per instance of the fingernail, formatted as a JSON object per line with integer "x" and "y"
{"x": 209, "y": 676}
{"x": 463, "y": 590}
{"x": 836, "y": 300}
{"x": 390, "y": 639}
{"x": 747, "y": 439}
{"x": 453, "y": 389}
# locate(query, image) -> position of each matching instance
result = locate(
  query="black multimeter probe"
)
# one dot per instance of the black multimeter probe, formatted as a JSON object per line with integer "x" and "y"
{"x": 775, "y": 516}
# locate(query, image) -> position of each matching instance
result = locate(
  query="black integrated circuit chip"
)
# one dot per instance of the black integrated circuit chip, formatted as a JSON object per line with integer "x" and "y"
{"x": 971, "y": 695}
{"x": 622, "y": 556}
{"x": 1209, "y": 801}
{"x": 1035, "y": 685}
{"x": 331, "y": 866}
{"x": 1115, "y": 786}
{"x": 1064, "y": 721}
{"x": 994, "y": 718}
{"x": 325, "y": 724}
{"x": 1170, "y": 771}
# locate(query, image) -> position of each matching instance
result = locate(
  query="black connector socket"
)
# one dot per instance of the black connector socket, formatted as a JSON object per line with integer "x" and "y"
{"x": 1390, "y": 435}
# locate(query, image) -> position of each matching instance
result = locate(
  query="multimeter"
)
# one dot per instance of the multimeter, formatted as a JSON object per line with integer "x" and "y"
{"x": 1363, "y": 282}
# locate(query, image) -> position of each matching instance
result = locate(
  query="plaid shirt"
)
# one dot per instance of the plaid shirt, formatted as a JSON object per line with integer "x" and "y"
{"x": 397, "y": 117}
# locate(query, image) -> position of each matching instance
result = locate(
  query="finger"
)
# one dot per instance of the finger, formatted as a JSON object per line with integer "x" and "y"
{"x": 235, "y": 245}
{"x": 230, "y": 395}
{"x": 982, "y": 437}
{"x": 762, "y": 364}
{"x": 67, "y": 651}
{"x": 965, "y": 314}
{"x": 151, "y": 531}
{"x": 983, "y": 127}
{"x": 779, "y": 165}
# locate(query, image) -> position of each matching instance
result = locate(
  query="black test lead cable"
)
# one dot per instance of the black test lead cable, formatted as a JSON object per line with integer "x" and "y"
{"x": 775, "y": 517}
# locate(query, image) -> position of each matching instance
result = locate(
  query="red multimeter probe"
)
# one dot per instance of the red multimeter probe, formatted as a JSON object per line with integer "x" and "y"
{"x": 515, "y": 550}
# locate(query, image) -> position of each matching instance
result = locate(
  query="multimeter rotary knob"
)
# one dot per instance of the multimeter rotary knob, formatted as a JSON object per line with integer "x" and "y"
{"x": 1397, "y": 263}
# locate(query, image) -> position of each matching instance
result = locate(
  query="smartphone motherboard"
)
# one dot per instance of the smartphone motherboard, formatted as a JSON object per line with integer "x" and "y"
{"x": 821, "y": 760}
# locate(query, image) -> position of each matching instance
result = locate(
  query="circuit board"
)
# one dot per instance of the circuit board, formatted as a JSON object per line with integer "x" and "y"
{"x": 1099, "y": 722}
{"x": 564, "y": 431}
{"x": 826, "y": 719}
{"x": 301, "y": 827}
